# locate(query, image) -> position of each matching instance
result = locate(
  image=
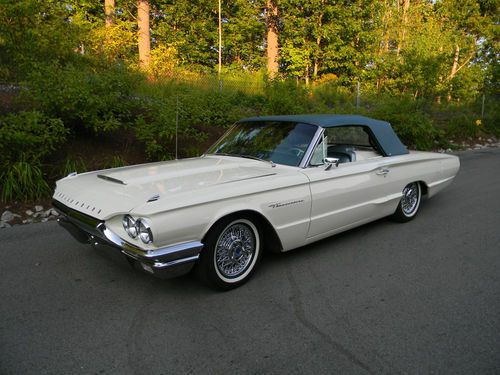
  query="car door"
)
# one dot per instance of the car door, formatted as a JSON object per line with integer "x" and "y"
{"x": 349, "y": 194}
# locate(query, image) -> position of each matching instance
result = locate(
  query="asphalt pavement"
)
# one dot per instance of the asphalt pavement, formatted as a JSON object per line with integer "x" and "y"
{"x": 386, "y": 298}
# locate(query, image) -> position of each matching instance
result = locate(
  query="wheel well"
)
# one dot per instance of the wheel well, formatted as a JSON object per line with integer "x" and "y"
{"x": 270, "y": 238}
{"x": 424, "y": 187}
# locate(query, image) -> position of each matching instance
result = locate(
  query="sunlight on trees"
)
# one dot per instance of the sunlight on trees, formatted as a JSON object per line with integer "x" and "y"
{"x": 91, "y": 68}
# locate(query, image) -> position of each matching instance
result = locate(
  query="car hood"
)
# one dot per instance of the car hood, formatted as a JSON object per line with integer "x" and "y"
{"x": 108, "y": 192}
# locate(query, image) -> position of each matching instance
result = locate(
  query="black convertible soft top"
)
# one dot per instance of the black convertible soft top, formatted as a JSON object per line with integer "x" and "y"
{"x": 385, "y": 136}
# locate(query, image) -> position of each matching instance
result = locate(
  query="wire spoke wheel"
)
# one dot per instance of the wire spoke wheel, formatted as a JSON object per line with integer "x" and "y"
{"x": 231, "y": 252}
{"x": 234, "y": 250}
{"x": 409, "y": 203}
{"x": 410, "y": 198}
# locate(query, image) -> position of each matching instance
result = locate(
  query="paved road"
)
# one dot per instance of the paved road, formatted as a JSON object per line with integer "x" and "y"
{"x": 417, "y": 298}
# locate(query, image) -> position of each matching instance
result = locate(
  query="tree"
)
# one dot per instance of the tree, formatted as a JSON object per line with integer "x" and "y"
{"x": 272, "y": 38}
{"x": 321, "y": 37}
{"x": 143, "y": 33}
{"x": 109, "y": 11}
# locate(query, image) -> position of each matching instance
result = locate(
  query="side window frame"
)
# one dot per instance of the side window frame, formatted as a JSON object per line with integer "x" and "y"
{"x": 323, "y": 144}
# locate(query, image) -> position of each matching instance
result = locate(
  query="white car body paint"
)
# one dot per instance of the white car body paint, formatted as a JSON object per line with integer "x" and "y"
{"x": 302, "y": 204}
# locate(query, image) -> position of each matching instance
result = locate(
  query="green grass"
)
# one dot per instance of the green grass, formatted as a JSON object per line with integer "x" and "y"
{"x": 23, "y": 181}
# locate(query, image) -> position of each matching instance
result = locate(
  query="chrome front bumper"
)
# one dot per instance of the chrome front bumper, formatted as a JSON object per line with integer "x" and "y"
{"x": 165, "y": 262}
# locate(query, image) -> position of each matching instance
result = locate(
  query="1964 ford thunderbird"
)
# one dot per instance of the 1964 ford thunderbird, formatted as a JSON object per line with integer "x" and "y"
{"x": 273, "y": 183}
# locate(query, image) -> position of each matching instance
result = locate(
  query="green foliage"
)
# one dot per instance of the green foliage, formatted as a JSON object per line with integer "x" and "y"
{"x": 286, "y": 97}
{"x": 29, "y": 136}
{"x": 25, "y": 139}
{"x": 413, "y": 126}
{"x": 335, "y": 97}
{"x": 97, "y": 99}
{"x": 73, "y": 165}
{"x": 22, "y": 180}
{"x": 461, "y": 121}
{"x": 114, "y": 162}
{"x": 422, "y": 65}
{"x": 193, "y": 110}
{"x": 32, "y": 31}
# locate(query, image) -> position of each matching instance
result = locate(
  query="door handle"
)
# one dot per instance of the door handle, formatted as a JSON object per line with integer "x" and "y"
{"x": 382, "y": 172}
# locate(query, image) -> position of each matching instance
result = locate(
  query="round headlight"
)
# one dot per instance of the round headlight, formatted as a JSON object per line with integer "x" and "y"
{"x": 144, "y": 229}
{"x": 130, "y": 226}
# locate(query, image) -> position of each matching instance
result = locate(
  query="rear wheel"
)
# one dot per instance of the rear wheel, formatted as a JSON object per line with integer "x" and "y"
{"x": 231, "y": 253}
{"x": 409, "y": 203}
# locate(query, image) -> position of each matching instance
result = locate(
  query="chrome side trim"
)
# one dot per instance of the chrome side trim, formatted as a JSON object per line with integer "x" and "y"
{"x": 167, "y": 253}
{"x": 176, "y": 262}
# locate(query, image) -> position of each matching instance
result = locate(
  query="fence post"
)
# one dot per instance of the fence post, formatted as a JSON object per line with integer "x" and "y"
{"x": 358, "y": 95}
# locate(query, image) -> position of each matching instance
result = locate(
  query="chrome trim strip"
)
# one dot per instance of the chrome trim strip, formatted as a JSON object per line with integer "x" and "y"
{"x": 435, "y": 183}
{"x": 248, "y": 178}
{"x": 176, "y": 262}
{"x": 137, "y": 253}
{"x": 169, "y": 251}
{"x": 308, "y": 154}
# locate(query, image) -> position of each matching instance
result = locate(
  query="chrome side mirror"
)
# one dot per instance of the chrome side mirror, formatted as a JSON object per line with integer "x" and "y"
{"x": 330, "y": 162}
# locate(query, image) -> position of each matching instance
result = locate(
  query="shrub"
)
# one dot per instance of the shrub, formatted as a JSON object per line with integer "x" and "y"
{"x": 84, "y": 99}
{"x": 413, "y": 126}
{"x": 25, "y": 138}
{"x": 285, "y": 98}
{"x": 29, "y": 136}
{"x": 196, "y": 109}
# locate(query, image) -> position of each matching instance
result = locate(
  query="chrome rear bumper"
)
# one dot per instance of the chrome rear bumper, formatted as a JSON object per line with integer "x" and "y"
{"x": 166, "y": 262}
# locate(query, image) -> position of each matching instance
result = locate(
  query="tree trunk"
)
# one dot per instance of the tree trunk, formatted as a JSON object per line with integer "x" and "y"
{"x": 318, "y": 44}
{"x": 272, "y": 39}
{"x": 454, "y": 67}
{"x": 406, "y": 7}
{"x": 109, "y": 12}
{"x": 143, "y": 33}
{"x": 454, "y": 70}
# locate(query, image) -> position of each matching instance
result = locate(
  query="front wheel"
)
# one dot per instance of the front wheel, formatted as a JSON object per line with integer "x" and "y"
{"x": 231, "y": 252}
{"x": 409, "y": 203}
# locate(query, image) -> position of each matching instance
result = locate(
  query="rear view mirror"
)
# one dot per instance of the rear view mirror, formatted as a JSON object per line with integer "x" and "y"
{"x": 331, "y": 161}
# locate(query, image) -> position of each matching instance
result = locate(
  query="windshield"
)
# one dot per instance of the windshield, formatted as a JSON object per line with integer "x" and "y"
{"x": 278, "y": 142}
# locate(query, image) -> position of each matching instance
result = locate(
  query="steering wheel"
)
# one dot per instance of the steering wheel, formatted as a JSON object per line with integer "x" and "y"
{"x": 297, "y": 151}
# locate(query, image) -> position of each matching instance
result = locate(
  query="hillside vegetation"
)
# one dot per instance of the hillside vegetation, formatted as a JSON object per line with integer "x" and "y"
{"x": 75, "y": 95}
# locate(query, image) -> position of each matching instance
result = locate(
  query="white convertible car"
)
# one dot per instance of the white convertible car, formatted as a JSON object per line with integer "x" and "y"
{"x": 270, "y": 183}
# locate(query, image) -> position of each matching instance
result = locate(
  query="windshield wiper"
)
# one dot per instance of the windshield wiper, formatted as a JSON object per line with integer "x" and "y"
{"x": 257, "y": 158}
{"x": 246, "y": 157}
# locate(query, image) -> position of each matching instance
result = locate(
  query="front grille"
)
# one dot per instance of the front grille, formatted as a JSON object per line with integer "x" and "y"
{"x": 77, "y": 204}
{"x": 87, "y": 220}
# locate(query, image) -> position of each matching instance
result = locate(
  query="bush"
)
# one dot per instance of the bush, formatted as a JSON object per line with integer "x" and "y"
{"x": 413, "y": 126}
{"x": 197, "y": 111}
{"x": 25, "y": 138}
{"x": 84, "y": 99}
{"x": 29, "y": 136}
{"x": 286, "y": 98}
